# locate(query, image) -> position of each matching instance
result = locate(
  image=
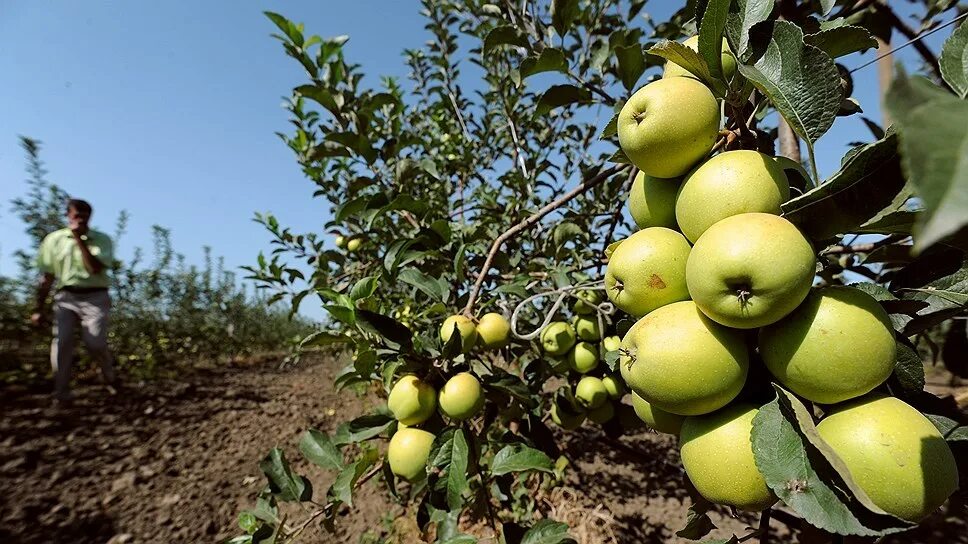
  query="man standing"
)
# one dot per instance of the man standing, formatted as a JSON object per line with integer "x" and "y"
{"x": 78, "y": 258}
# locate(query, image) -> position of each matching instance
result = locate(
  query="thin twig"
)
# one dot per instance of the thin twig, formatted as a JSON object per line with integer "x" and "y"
{"x": 764, "y": 529}
{"x": 529, "y": 222}
{"x": 616, "y": 216}
{"x": 323, "y": 511}
{"x": 914, "y": 39}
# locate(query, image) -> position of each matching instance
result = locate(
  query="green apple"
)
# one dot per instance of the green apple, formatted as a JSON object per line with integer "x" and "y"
{"x": 340, "y": 240}
{"x": 603, "y": 413}
{"x": 647, "y": 271}
{"x": 557, "y": 338}
{"x": 612, "y": 343}
{"x": 668, "y": 126}
{"x": 729, "y": 184}
{"x": 461, "y": 397}
{"x": 466, "y": 328}
{"x": 652, "y": 201}
{"x": 493, "y": 330}
{"x": 837, "y": 345}
{"x": 354, "y": 244}
{"x": 583, "y": 358}
{"x": 672, "y": 69}
{"x": 614, "y": 385}
{"x": 750, "y": 270}
{"x": 718, "y": 458}
{"x": 590, "y": 392}
{"x": 795, "y": 172}
{"x": 683, "y": 362}
{"x": 411, "y": 400}
{"x": 895, "y": 454}
{"x": 658, "y": 420}
{"x": 566, "y": 415}
{"x": 587, "y": 301}
{"x": 408, "y": 452}
{"x": 586, "y": 327}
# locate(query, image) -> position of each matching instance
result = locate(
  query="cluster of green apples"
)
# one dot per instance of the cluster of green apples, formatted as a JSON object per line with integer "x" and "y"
{"x": 413, "y": 401}
{"x": 352, "y": 244}
{"x": 578, "y": 347}
{"x": 719, "y": 281}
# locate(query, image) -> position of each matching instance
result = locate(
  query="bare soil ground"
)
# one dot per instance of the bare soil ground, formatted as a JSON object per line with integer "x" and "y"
{"x": 176, "y": 460}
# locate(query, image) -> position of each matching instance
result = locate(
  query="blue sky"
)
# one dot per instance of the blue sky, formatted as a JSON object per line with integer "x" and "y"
{"x": 168, "y": 110}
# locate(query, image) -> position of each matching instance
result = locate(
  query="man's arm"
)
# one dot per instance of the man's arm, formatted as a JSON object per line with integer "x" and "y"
{"x": 43, "y": 289}
{"x": 91, "y": 263}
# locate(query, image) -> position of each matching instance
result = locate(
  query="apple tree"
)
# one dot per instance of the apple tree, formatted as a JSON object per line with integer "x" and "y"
{"x": 481, "y": 272}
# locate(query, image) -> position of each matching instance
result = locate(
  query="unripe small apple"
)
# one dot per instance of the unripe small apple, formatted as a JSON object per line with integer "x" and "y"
{"x": 583, "y": 358}
{"x": 587, "y": 301}
{"x": 668, "y": 126}
{"x": 461, "y": 397}
{"x": 718, "y": 458}
{"x": 493, "y": 330}
{"x": 354, "y": 244}
{"x": 652, "y": 201}
{"x": 657, "y": 419}
{"x": 565, "y": 415}
{"x": 590, "y": 392}
{"x": 412, "y": 400}
{"x": 408, "y": 451}
{"x": 728, "y": 184}
{"x": 339, "y": 241}
{"x": 603, "y": 413}
{"x": 614, "y": 385}
{"x": 466, "y": 328}
{"x": 648, "y": 271}
{"x": 586, "y": 327}
{"x": 612, "y": 343}
{"x": 557, "y": 338}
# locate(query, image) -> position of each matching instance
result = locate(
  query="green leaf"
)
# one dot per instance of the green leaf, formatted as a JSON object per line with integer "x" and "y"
{"x": 321, "y": 96}
{"x": 896, "y": 222}
{"x": 826, "y": 6}
{"x": 698, "y": 523}
{"x": 561, "y": 95}
{"x": 631, "y": 64}
{"x": 341, "y": 313}
{"x": 502, "y": 35}
{"x": 909, "y": 369}
{"x": 547, "y": 531}
{"x": 323, "y": 338}
{"x": 342, "y": 488}
{"x": 364, "y": 288}
{"x": 283, "y": 482}
{"x": 741, "y": 19}
{"x": 457, "y": 471}
{"x": 800, "y": 80}
{"x": 934, "y": 150}
{"x": 805, "y": 473}
{"x": 690, "y": 60}
{"x": 944, "y": 424}
{"x": 869, "y": 181}
{"x": 550, "y": 60}
{"x": 429, "y": 285}
{"x": 319, "y": 448}
{"x": 519, "y": 458}
{"x": 842, "y": 40}
{"x": 566, "y": 231}
{"x": 362, "y": 428}
{"x": 954, "y": 60}
{"x": 958, "y": 435}
{"x": 711, "y": 26}
{"x": 563, "y": 14}
{"x": 611, "y": 128}
{"x": 387, "y": 327}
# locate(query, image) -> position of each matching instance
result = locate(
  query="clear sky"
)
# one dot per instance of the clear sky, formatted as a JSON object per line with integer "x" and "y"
{"x": 169, "y": 109}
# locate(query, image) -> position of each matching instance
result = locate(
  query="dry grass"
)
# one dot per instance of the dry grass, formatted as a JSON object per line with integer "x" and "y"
{"x": 587, "y": 524}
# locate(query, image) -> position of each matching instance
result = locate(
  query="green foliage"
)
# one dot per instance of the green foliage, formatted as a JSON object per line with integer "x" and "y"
{"x": 448, "y": 179}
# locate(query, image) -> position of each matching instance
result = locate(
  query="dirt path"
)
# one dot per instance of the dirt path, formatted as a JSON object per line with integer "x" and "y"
{"x": 176, "y": 462}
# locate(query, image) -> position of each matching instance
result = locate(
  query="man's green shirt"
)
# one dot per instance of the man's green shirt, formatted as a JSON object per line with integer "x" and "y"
{"x": 60, "y": 256}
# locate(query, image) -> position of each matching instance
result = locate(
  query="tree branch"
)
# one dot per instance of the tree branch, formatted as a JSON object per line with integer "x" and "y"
{"x": 325, "y": 510}
{"x": 529, "y": 222}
